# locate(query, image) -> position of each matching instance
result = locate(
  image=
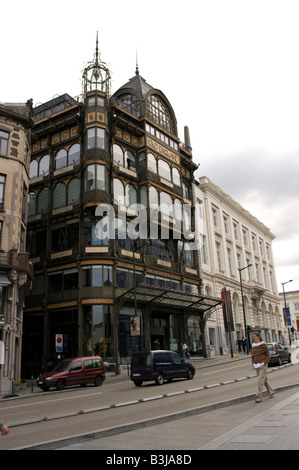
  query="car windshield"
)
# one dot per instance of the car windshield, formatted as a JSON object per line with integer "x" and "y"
{"x": 270, "y": 346}
{"x": 61, "y": 366}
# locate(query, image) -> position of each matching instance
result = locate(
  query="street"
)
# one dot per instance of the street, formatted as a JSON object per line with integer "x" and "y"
{"x": 44, "y": 417}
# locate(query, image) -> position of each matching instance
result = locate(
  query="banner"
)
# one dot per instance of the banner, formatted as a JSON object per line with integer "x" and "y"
{"x": 287, "y": 317}
{"x": 227, "y": 310}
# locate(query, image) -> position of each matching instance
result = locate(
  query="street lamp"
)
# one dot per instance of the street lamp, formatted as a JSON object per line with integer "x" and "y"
{"x": 285, "y": 306}
{"x": 135, "y": 249}
{"x": 244, "y": 316}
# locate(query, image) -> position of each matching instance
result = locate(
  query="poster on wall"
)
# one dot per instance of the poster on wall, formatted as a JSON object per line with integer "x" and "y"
{"x": 135, "y": 326}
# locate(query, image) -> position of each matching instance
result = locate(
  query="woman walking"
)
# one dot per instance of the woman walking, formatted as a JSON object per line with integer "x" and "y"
{"x": 260, "y": 358}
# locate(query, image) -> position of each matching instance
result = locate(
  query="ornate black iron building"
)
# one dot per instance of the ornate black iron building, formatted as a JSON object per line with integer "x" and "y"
{"x": 98, "y": 161}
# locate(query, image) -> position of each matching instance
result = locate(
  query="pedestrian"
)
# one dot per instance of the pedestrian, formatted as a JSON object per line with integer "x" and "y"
{"x": 3, "y": 428}
{"x": 260, "y": 357}
{"x": 184, "y": 350}
{"x": 240, "y": 345}
{"x": 243, "y": 343}
{"x": 157, "y": 344}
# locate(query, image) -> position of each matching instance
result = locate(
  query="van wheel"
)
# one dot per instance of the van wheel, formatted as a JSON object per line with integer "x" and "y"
{"x": 138, "y": 383}
{"x": 98, "y": 381}
{"x": 160, "y": 379}
{"x": 190, "y": 374}
{"x": 60, "y": 385}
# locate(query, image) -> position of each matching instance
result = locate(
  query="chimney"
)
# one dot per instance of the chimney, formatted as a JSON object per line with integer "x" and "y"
{"x": 187, "y": 139}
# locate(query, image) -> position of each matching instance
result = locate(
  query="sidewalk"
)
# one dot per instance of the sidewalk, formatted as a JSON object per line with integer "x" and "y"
{"x": 274, "y": 429}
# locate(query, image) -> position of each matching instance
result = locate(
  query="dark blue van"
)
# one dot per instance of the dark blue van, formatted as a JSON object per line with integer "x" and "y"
{"x": 159, "y": 365}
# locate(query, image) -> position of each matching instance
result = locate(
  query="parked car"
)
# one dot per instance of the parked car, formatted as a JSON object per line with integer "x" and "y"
{"x": 75, "y": 371}
{"x": 278, "y": 354}
{"x": 159, "y": 365}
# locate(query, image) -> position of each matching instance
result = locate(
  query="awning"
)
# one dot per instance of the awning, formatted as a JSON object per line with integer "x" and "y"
{"x": 3, "y": 280}
{"x": 161, "y": 297}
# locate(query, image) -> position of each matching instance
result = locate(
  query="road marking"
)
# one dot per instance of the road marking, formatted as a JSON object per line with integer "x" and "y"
{"x": 51, "y": 401}
{"x": 217, "y": 371}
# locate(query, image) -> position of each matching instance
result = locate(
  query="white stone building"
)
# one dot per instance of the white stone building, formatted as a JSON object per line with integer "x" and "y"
{"x": 291, "y": 300}
{"x": 233, "y": 244}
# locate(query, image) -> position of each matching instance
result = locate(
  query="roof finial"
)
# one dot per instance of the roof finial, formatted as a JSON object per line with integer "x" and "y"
{"x": 137, "y": 69}
{"x": 97, "y": 50}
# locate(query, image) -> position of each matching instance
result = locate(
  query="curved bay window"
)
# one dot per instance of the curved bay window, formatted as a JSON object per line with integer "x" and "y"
{"x": 95, "y": 138}
{"x": 94, "y": 233}
{"x": 95, "y": 177}
{"x": 97, "y": 275}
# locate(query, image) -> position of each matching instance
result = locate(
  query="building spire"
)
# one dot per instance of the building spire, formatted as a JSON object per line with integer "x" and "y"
{"x": 137, "y": 68}
{"x": 96, "y": 76}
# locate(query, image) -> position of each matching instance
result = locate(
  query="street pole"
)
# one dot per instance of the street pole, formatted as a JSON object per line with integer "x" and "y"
{"x": 285, "y": 307}
{"x": 244, "y": 315}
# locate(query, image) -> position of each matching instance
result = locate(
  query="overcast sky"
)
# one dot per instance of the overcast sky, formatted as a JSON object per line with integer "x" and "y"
{"x": 230, "y": 69}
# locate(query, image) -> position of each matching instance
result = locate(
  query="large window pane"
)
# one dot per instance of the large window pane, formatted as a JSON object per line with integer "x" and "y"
{"x": 61, "y": 159}
{"x": 74, "y": 191}
{"x": 74, "y": 154}
{"x": 44, "y": 165}
{"x": 59, "y": 196}
{"x": 43, "y": 201}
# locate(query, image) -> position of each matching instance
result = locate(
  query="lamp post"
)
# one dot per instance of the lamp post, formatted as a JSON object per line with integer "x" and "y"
{"x": 285, "y": 306}
{"x": 244, "y": 315}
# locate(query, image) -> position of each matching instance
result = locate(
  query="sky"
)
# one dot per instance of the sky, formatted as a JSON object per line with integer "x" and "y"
{"x": 230, "y": 69}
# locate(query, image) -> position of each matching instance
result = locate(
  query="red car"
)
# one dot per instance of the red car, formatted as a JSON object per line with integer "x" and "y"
{"x": 78, "y": 371}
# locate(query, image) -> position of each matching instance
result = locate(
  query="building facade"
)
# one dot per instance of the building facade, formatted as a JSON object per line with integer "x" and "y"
{"x": 290, "y": 304}
{"x": 236, "y": 250}
{"x": 15, "y": 268}
{"x": 110, "y": 226}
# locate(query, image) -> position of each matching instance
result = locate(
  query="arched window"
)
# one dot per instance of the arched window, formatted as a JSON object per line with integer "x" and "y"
{"x": 130, "y": 161}
{"x": 44, "y": 165}
{"x": 185, "y": 191}
{"x": 176, "y": 177}
{"x": 43, "y": 201}
{"x": 166, "y": 204}
{"x": 164, "y": 170}
{"x": 118, "y": 192}
{"x": 60, "y": 159}
{"x": 129, "y": 103}
{"x": 32, "y": 204}
{"x": 131, "y": 195}
{"x": 159, "y": 112}
{"x": 74, "y": 154}
{"x": 59, "y": 196}
{"x": 33, "y": 169}
{"x": 118, "y": 155}
{"x": 177, "y": 212}
{"x": 73, "y": 191}
{"x": 151, "y": 163}
{"x": 153, "y": 198}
